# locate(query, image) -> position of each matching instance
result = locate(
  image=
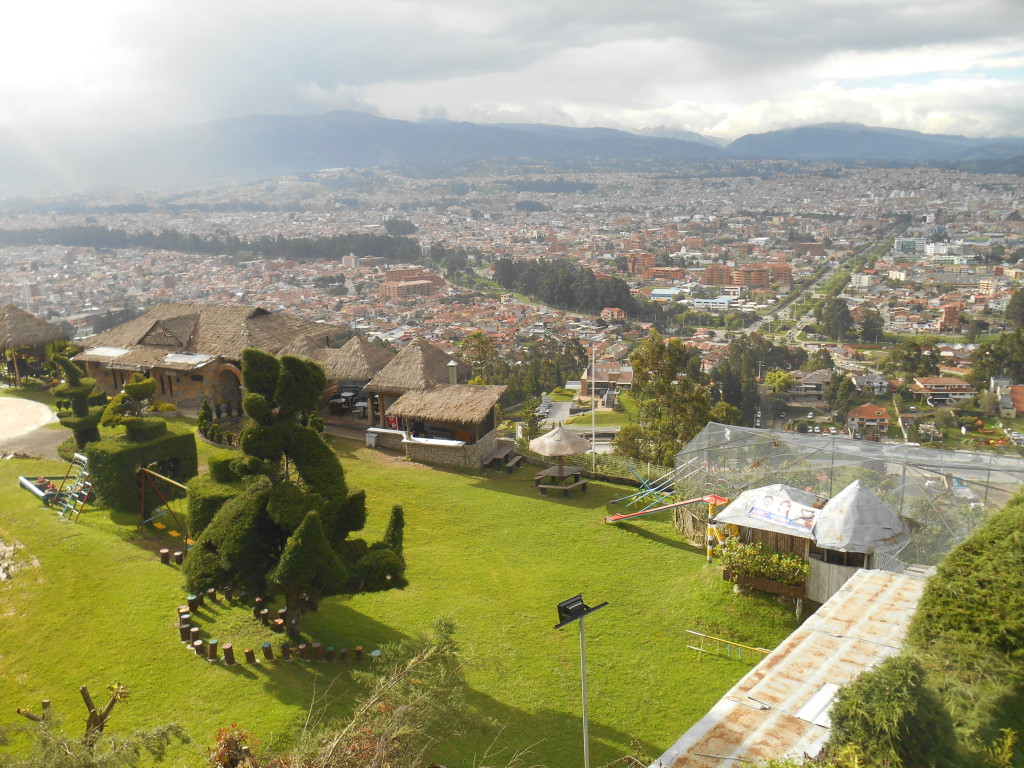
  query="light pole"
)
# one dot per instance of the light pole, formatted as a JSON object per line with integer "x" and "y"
{"x": 574, "y": 609}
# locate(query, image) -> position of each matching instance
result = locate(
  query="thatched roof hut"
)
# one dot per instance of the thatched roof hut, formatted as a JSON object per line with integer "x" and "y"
{"x": 419, "y": 366}
{"x": 449, "y": 403}
{"x": 212, "y": 330}
{"x": 357, "y": 360}
{"x": 19, "y": 328}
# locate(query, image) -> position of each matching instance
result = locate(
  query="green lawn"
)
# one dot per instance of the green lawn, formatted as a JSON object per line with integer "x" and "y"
{"x": 606, "y": 418}
{"x": 97, "y": 607}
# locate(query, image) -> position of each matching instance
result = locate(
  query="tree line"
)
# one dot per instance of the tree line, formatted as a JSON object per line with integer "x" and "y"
{"x": 389, "y": 247}
{"x": 564, "y": 284}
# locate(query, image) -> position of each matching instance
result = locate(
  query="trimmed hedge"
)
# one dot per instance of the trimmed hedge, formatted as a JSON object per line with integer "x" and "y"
{"x": 205, "y": 497}
{"x": 114, "y": 463}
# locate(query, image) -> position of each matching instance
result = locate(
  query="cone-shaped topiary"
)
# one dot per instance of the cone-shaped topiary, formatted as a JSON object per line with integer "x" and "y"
{"x": 307, "y": 568}
{"x": 76, "y": 389}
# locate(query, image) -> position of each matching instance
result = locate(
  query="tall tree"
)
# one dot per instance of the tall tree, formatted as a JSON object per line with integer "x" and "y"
{"x": 835, "y": 318}
{"x": 871, "y": 326}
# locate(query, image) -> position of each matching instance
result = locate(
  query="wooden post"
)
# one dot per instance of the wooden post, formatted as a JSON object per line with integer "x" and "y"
{"x": 268, "y": 652}
{"x": 165, "y": 556}
{"x": 304, "y": 651}
{"x": 286, "y": 651}
{"x": 183, "y": 610}
{"x": 184, "y": 632}
{"x": 264, "y": 615}
{"x": 194, "y": 635}
{"x": 332, "y": 653}
{"x": 257, "y": 608}
{"x": 212, "y": 650}
{"x": 227, "y": 592}
{"x": 229, "y": 654}
{"x": 318, "y": 651}
{"x": 193, "y": 602}
{"x": 344, "y": 654}
{"x": 211, "y": 594}
{"x": 197, "y": 646}
{"x": 359, "y": 653}
{"x": 179, "y": 557}
{"x": 250, "y": 655}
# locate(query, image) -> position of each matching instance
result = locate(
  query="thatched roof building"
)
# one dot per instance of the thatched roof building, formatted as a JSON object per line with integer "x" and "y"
{"x": 194, "y": 351}
{"x": 357, "y": 360}
{"x": 449, "y": 403}
{"x": 212, "y": 330}
{"x": 420, "y": 365}
{"x": 19, "y": 328}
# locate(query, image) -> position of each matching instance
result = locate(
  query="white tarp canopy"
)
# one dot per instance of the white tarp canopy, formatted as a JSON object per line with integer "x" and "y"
{"x": 778, "y": 508}
{"x": 856, "y": 520}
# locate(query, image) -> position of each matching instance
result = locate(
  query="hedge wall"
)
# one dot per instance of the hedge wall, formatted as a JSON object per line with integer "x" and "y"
{"x": 114, "y": 463}
{"x": 205, "y": 497}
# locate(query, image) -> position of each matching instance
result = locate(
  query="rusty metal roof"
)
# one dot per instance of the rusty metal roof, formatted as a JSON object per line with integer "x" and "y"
{"x": 780, "y": 707}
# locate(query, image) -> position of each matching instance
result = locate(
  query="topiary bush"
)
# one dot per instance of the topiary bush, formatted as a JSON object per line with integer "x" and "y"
{"x": 77, "y": 390}
{"x": 114, "y": 464}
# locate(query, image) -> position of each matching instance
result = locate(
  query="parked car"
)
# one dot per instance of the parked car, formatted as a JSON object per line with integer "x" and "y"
{"x": 833, "y": 430}
{"x": 817, "y": 429}
{"x": 810, "y": 414}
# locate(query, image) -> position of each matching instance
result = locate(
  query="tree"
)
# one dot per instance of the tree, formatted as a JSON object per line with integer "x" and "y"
{"x": 779, "y": 381}
{"x": 835, "y": 318}
{"x": 283, "y": 534}
{"x": 723, "y": 413}
{"x": 838, "y": 395}
{"x": 912, "y": 359}
{"x": 1015, "y": 309}
{"x": 77, "y": 390}
{"x": 672, "y": 407}
{"x": 531, "y": 419}
{"x": 820, "y": 360}
{"x": 871, "y": 326}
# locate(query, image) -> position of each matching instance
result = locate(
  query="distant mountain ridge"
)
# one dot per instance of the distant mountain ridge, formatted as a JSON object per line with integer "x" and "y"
{"x": 265, "y": 146}
{"x": 852, "y": 141}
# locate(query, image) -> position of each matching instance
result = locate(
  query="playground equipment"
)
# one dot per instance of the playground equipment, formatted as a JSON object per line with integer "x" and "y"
{"x": 149, "y": 479}
{"x": 660, "y": 489}
{"x": 75, "y": 490}
{"x": 711, "y": 500}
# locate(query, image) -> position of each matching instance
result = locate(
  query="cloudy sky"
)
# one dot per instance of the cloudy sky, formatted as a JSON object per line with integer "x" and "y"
{"x": 718, "y": 67}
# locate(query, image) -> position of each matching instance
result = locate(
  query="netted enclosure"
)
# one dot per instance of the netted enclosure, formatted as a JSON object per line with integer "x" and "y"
{"x": 943, "y": 495}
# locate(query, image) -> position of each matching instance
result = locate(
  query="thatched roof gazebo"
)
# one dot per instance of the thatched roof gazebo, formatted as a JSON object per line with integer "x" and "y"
{"x": 418, "y": 366}
{"x": 449, "y": 423}
{"x": 19, "y": 328}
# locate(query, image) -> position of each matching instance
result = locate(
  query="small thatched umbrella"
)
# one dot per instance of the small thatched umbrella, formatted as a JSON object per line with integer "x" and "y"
{"x": 19, "y": 328}
{"x": 560, "y": 442}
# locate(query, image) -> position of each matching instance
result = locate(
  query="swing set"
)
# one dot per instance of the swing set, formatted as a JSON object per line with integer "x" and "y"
{"x": 150, "y": 480}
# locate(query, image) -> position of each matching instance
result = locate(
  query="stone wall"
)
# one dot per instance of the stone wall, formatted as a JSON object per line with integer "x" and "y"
{"x": 468, "y": 456}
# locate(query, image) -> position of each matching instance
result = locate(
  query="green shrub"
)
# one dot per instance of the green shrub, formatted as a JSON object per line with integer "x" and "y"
{"x": 140, "y": 430}
{"x": 893, "y": 719}
{"x": 379, "y": 569}
{"x": 114, "y": 463}
{"x": 221, "y": 469}
{"x": 205, "y": 496}
{"x": 759, "y": 560}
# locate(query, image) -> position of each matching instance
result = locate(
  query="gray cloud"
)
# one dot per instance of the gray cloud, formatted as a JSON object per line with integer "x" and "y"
{"x": 723, "y": 66}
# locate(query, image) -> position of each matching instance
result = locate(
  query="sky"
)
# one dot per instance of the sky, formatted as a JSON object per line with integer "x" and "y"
{"x": 722, "y": 68}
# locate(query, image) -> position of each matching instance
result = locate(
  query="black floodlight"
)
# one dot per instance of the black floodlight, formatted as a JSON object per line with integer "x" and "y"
{"x": 575, "y": 609}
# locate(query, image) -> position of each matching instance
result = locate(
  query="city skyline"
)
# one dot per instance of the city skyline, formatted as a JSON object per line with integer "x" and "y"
{"x": 720, "y": 69}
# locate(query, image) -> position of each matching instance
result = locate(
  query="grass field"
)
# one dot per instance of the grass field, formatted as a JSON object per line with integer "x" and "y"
{"x": 94, "y": 606}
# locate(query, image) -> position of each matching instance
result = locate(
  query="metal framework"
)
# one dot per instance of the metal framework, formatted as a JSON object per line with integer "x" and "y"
{"x": 944, "y": 495}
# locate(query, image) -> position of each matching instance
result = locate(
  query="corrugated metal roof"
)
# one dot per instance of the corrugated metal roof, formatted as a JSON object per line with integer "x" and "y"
{"x": 779, "y": 708}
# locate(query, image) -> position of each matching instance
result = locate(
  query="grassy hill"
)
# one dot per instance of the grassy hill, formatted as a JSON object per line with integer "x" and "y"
{"x": 93, "y": 606}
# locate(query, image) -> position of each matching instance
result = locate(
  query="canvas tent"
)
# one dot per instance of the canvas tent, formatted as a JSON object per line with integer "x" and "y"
{"x": 854, "y": 520}
{"x": 855, "y": 529}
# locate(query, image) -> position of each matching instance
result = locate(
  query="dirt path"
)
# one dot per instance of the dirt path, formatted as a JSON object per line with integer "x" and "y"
{"x": 23, "y": 429}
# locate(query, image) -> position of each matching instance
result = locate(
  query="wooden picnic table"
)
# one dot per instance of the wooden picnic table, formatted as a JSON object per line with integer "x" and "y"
{"x": 554, "y": 479}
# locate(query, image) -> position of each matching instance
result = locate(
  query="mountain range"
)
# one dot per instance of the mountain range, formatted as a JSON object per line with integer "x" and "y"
{"x": 266, "y": 146}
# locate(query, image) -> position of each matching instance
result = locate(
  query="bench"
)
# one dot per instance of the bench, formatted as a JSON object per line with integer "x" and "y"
{"x": 544, "y": 488}
{"x": 513, "y": 463}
